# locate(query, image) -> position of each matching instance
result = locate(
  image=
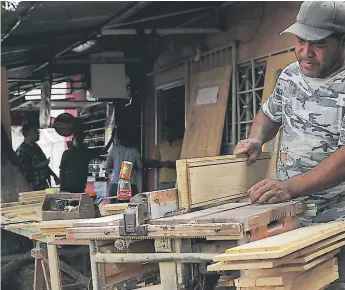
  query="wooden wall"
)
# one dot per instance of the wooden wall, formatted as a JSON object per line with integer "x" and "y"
{"x": 255, "y": 25}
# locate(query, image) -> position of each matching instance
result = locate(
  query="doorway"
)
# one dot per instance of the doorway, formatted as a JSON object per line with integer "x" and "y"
{"x": 170, "y": 106}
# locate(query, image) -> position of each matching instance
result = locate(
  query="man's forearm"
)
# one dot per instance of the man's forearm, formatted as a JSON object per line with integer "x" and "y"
{"x": 52, "y": 173}
{"x": 153, "y": 164}
{"x": 263, "y": 128}
{"x": 329, "y": 173}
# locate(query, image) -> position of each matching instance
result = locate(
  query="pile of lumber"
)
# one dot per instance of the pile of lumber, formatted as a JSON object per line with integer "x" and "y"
{"x": 20, "y": 212}
{"x": 31, "y": 196}
{"x": 304, "y": 258}
{"x": 115, "y": 208}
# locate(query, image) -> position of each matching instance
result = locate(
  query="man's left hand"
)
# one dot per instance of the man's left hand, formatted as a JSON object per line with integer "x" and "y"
{"x": 269, "y": 191}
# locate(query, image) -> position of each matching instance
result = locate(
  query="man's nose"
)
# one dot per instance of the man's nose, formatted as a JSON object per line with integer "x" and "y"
{"x": 308, "y": 50}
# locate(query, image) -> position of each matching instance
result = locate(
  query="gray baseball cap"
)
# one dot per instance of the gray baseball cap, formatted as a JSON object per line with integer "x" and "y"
{"x": 319, "y": 19}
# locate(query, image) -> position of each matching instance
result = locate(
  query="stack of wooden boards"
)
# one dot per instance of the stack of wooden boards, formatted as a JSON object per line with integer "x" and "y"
{"x": 22, "y": 212}
{"x": 31, "y": 196}
{"x": 58, "y": 227}
{"x": 302, "y": 259}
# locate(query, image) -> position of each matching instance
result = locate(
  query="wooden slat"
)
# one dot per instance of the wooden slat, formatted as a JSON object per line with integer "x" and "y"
{"x": 254, "y": 216}
{"x": 192, "y": 217}
{"x": 5, "y": 106}
{"x": 294, "y": 280}
{"x": 286, "y": 243}
{"x": 266, "y": 265}
{"x": 316, "y": 250}
{"x": 206, "y": 120}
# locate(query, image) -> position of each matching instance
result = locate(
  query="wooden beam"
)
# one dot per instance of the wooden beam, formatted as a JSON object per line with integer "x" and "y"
{"x": 153, "y": 257}
{"x": 5, "y": 106}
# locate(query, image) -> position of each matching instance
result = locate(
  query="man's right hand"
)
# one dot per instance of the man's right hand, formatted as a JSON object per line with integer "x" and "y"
{"x": 251, "y": 146}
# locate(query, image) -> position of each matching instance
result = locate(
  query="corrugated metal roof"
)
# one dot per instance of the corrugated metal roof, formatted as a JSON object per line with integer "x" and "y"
{"x": 37, "y": 31}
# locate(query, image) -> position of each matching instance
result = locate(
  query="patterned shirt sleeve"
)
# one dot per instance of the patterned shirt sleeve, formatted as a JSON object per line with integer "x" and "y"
{"x": 341, "y": 141}
{"x": 272, "y": 107}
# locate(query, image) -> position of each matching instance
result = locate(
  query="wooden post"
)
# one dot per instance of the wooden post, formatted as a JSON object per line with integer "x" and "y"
{"x": 38, "y": 276}
{"x": 45, "y": 104}
{"x": 5, "y": 106}
{"x": 95, "y": 268}
{"x": 54, "y": 268}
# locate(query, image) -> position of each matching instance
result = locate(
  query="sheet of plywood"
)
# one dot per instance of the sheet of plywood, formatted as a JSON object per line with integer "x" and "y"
{"x": 205, "y": 182}
{"x": 206, "y": 120}
{"x": 275, "y": 64}
{"x": 287, "y": 243}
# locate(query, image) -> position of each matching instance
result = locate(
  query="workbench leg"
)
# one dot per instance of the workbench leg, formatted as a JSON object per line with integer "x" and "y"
{"x": 168, "y": 274}
{"x": 174, "y": 275}
{"x": 38, "y": 276}
{"x": 95, "y": 267}
{"x": 54, "y": 268}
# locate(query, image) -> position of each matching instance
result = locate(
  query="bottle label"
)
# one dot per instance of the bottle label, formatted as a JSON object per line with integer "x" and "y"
{"x": 126, "y": 170}
{"x": 124, "y": 193}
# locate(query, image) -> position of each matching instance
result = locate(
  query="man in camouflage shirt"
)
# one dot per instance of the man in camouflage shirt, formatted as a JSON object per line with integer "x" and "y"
{"x": 309, "y": 103}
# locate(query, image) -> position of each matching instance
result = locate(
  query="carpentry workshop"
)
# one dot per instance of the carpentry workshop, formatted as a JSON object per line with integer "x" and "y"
{"x": 172, "y": 145}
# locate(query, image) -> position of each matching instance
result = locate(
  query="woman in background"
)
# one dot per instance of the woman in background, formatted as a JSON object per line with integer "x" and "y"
{"x": 123, "y": 151}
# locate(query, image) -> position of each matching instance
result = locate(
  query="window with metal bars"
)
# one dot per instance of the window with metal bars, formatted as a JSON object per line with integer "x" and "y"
{"x": 250, "y": 85}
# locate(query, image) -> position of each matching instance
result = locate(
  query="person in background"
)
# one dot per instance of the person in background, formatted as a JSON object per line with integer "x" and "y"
{"x": 166, "y": 154}
{"x": 123, "y": 151}
{"x": 33, "y": 161}
{"x": 74, "y": 166}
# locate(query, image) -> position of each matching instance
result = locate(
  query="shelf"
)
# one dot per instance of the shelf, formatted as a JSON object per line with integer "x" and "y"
{"x": 94, "y": 121}
{"x": 93, "y": 130}
{"x": 94, "y": 139}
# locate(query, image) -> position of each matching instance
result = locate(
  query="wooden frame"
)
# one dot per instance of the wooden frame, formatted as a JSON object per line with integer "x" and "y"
{"x": 211, "y": 180}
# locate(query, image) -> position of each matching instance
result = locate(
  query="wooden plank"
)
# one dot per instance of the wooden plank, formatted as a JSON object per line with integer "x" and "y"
{"x": 233, "y": 230}
{"x": 54, "y": 269}
{"x": 31, "y": 193}
{"x": 207, "y": 180}
{"x": 5, "y": 106}
{"x": 254, "y": 216}
{"x": 209, "y": 117}
{"x": 286, "y": 243}
{"x": 245, "y": 265}
{"x": 290, "y": 280}
{"x": 316, "y": 250}
{"x": 92, "y": 222}
{"x": 192, "y": 217}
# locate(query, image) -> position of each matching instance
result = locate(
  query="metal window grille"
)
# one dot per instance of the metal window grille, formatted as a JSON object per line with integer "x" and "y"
{"x": 250, "y": 84}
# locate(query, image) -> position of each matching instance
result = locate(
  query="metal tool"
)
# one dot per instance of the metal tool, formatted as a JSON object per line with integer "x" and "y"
{"x": 135, "y": 217}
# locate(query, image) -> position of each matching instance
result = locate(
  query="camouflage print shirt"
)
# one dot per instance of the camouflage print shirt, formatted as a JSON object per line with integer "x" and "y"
{"x": 311, "y": 112}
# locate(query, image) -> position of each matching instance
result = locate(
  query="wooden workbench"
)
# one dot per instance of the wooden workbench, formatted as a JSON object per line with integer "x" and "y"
{"x": 180, "y": 241}
{"x": 174, "y": 243}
